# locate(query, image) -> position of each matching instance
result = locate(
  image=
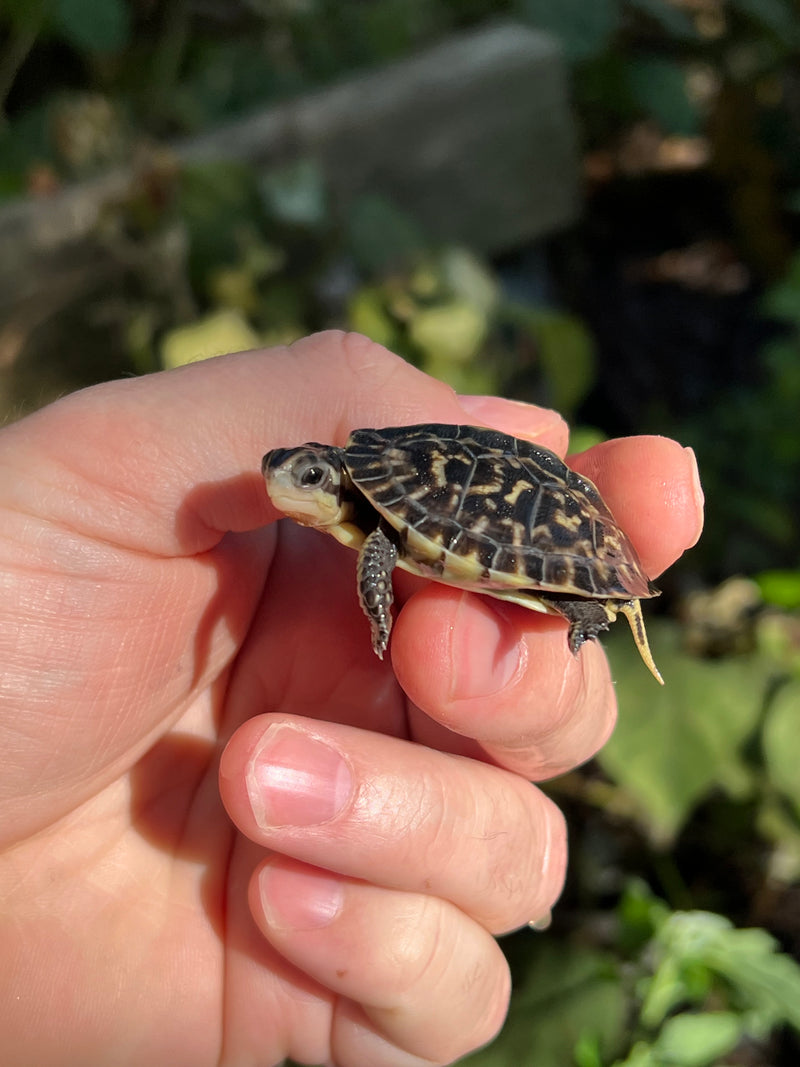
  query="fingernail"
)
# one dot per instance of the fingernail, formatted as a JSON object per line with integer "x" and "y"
{"x": 299, "y": 900}
{"x": 487, "y": 650}
{"x": 295, "y": 779}
{"x": 516, "y": 417}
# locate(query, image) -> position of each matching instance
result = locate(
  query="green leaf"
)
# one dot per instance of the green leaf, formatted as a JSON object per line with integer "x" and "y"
{"x": 567, "y": 355}
{"x": 665, "y": 991}
{"x": 582, "y": 437}
{"x": 381, "y": 235}
{"x": 563, "y": 993}
{"x": 367, "y": 314}
{"x": 674, "y": 744}
{"x": 469, "y": 277}
{"x": 698, "y": 1040}
{"x": 659, "y": 88}
{"x": 94, "y": 25}
{"x": 641, "y": 1055}
{"x": 780, "y": 588}
{"x": 451, "y": 332}
{"x": 216, "y": 200}
{"x": 766, "y": 982}
{"x": 781, "y": 742}
{"x": 640, "y": 914}
{"x": 213, "y": 335}
{"x": 295, "y": 193}
{"x": 777, "y": 825}
{"x": 584, "y": 29}
{"x": 587, "y": 1052}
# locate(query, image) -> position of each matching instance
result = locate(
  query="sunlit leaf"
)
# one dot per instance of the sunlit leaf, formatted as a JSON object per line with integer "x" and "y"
{"x": 234, "y": 287}
{"x": 368, "y": 315}
{"x": 781, "y": 588}
{"x": 698, "y": 1040}
{"x": 583, "y": 437}
{"x": 451, "y": 332}
{"x": 781, "y": 741}
{"x": 214, "y": 335}
{"x": 641, "y": 1055}
{"x": 467, "y": 276}
{"x": 766, "y": 981}
{"x": 587, "y": 1052}
{"x": 777, "y": 824}
{"x": 674, "y": 744}
{"x": 474, "y": 377}
{"x": 295, "y": 193}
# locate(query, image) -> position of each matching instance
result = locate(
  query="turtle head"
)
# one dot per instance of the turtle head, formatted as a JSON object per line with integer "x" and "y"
{"x": 309, "y": 484}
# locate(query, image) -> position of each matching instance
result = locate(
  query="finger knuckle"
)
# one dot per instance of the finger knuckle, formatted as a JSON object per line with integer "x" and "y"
{"x": 525, "y": 859}
{"x": 416, "y": 946}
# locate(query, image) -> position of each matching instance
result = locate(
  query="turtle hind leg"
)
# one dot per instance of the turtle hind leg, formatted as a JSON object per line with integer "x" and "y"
{"x": 376, "y": 560}
{"x": 586, "y": 618}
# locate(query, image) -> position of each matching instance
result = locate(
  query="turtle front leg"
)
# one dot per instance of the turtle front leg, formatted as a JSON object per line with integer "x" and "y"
{"x": 376, "y": 560}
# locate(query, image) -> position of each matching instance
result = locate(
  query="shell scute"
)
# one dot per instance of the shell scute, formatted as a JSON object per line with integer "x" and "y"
{"x": 506, "y": 511}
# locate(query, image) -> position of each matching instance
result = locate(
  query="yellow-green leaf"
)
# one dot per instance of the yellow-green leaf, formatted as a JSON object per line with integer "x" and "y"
{"x": 224, "y": 331}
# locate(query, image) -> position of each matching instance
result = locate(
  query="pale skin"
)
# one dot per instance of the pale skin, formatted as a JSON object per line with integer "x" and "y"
{"x": 182, "y": 675}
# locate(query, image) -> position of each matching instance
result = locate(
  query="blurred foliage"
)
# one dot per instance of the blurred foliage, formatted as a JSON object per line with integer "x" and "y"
{"x": 749, "y": 445}
{"x": 697, "y": 792}
{"x": 267, "y": 248}
{"x": 695, "y": 739}
{"x": 667, "y": 989}
{"x": 676, "y": 746}
{"x": 651, "y": 984}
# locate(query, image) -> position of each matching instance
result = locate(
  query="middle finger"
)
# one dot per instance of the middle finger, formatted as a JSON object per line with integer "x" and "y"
{"x": 397, "y": 814}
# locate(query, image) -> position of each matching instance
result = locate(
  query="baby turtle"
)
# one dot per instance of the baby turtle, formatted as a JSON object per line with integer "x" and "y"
{"x": 468, "y": 507}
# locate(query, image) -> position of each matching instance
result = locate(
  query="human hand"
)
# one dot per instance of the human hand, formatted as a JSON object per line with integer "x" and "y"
{"x": 153, "y": 613}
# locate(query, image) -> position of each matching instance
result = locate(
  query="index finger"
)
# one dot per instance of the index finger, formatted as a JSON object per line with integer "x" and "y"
{"x": 652, "y": 486}
{"x": 118, "y": 461}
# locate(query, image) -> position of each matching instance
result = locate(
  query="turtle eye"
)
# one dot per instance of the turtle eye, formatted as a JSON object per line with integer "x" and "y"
{"x": 312, "y": 476}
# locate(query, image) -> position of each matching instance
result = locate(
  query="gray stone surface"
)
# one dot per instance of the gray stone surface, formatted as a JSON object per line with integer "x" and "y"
{"x": 474, "y": 137}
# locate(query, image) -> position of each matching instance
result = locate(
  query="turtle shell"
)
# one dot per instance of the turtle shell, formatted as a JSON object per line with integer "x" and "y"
{"x": 481, "y": 508}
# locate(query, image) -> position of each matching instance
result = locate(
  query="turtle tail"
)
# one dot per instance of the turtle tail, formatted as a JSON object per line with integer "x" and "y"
{"x": 632, "y": 610}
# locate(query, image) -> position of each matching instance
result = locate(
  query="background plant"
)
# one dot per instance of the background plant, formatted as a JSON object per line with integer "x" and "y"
{"x": 673, "y": 307}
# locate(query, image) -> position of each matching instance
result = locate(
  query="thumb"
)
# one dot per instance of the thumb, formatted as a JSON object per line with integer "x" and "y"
{"x": 169, "y": 462}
